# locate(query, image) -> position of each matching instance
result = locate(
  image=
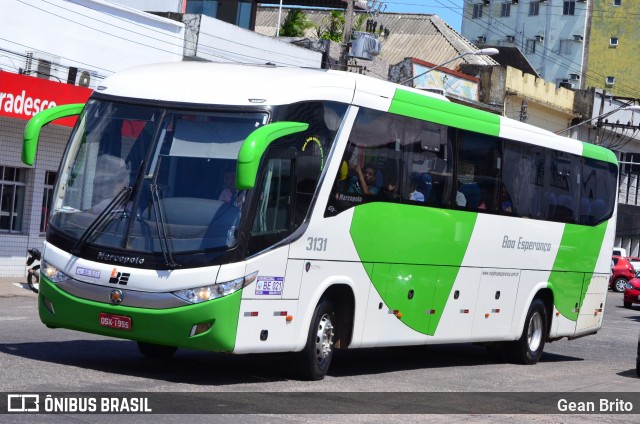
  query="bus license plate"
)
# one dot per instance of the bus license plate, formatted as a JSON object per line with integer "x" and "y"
{"x": 120, "y": 322}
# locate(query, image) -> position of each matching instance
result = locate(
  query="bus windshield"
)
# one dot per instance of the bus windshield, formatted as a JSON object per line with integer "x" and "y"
{"x": 152, "y": 179}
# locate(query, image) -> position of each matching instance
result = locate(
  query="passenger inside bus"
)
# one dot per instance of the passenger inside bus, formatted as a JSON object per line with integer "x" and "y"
{"x": 506, "y": 205}
{"x": 364, "y": 180}
{"x": 389, "y": 190}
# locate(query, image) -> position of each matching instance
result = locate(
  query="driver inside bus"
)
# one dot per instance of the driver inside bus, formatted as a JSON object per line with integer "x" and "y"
{"x": 230, "y": 193}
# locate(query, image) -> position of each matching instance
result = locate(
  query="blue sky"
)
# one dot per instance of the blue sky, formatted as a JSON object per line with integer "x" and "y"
{"x": 449, "y": 10}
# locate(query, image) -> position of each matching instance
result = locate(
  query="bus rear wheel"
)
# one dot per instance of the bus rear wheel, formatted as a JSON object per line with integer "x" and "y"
{"x": 318, "y": 352}
{"x": 151, "y": 350}
{"x": 528, "y": 349}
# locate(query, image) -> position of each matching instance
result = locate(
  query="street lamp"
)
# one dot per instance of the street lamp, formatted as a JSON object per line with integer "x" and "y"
{"x": 482, "y": 52}
{"x": 633, "y": 108}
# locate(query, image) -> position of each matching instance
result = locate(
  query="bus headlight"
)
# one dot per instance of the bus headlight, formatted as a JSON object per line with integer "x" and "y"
{"x": 53, "y": 273}
{"x": 215, "y": 291}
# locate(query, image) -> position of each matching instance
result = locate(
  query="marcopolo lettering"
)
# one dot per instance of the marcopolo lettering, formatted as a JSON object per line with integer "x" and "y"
{"x": 120, "y": 258}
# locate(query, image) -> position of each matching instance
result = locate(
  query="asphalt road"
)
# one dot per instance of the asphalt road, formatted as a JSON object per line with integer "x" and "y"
{"x": 34, "y": 358}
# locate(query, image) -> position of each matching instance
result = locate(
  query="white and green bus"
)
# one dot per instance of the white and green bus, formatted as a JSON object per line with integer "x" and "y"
{"x": 251, "y": 209}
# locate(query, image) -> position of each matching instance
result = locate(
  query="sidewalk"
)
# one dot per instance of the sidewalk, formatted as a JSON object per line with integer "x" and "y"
{"x": 15, "y": 286}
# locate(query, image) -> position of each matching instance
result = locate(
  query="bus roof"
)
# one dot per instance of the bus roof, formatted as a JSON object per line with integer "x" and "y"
{"x": 239, "y": 84}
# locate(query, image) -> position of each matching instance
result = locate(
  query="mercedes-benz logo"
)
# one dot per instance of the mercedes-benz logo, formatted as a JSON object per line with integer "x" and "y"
{"x": 116, "y": 296}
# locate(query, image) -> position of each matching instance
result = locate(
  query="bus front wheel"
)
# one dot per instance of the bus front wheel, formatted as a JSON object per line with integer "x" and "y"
{"x": 151, "y": 350}
{"x": 528, "y": 349}
{"x": 318, "y": 352}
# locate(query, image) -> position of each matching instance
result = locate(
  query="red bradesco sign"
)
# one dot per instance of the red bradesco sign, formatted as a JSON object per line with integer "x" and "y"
{"x": 23, "y": 96}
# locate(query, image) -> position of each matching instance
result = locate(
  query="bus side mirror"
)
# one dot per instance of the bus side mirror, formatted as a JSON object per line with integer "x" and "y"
{"x": 254, "y": 147}
{"x": 35, "y": 124}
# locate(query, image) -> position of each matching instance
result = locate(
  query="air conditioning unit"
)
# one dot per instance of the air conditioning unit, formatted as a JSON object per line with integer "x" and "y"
{"x": 84, "y": 78}
{"x": 539, "y": 38}
{"x": 41, "y": 65}
{"x": 578, "y": 37}
{"x": 80, "y": 77}
{"x": 574, "y": 77}
{"x": 482, "y": 39}
{"x": 364, "y": 46}
{"x": 510, "y": 38}
{"x": 565, "y": 84}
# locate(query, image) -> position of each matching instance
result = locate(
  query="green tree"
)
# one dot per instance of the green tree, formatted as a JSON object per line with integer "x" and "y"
{"x": 332, "y": 28}
{"x": 295, "y": 24}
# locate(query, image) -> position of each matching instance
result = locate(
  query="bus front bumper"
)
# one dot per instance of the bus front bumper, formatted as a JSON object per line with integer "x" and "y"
{"x": 171, "y": 327}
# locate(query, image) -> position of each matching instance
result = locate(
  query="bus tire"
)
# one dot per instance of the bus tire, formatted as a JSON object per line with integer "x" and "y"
{"x": 151, "y": 350}
{"x": 316, "y": 356}
{"x": 528, "y": 349}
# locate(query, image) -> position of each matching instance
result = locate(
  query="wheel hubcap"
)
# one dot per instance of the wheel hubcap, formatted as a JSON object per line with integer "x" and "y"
{"x": 324, "y": 338}
{"x": 534, "y": 333}
{"x": 620, "y": 285}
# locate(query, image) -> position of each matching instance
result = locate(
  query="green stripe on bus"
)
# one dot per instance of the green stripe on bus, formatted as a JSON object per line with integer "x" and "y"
{"x": 579, "y": 251}
{"x": 599, "y": 153}
{"x": 414, "y": 264}
{"x": 435, "y": 110}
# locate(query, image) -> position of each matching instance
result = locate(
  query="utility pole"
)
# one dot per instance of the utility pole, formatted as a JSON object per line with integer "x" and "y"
{"x": 599, "y": 122}
{"x": 346, "y": 35}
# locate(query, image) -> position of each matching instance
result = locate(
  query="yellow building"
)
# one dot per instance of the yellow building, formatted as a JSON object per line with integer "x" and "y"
{"x": 612, "y": 61}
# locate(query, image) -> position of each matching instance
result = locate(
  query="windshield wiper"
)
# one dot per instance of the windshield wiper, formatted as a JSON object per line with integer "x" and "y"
{"x": 162, "y": 229}
{"x": 102, "y": 218}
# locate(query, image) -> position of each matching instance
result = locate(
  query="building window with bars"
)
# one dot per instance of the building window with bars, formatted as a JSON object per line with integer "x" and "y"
{"x": 505, "y": 10}
{"x": 477, "y": 11}
{"x": 530, "y": 47}
{"x": 569, "y": 7}
{"x": 534, "y": 8}
{"x": 632, "y": 165}
{"x": 49, "y": 181}
{"x": 12, "y": 194}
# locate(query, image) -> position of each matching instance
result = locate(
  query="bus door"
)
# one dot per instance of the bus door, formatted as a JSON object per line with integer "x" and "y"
{"x": 594, "y": 288}
{"x": 400, "y": 300}
{"x": 263, "y": 322}
{"x": 567, "y": 294}
{"x": 496, "y": 302}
